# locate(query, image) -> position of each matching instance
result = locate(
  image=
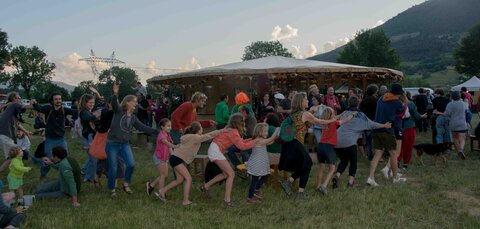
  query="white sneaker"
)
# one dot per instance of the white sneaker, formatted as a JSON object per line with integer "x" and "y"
{"x": 399, "y": 180}
{"x": 390, "y": 174}
{"x": 372, "y": 182}
{"x": 385, "y": 172}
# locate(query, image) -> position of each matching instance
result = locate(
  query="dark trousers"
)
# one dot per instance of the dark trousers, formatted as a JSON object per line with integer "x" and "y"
{"x": 294, "y": 158}
{"x": 256, "y": 184}
{"x": 232, "y": 155}
{"x": 368, "y": 144}
{"x": 14, "y": 219}
{"x": 347, "y": 155}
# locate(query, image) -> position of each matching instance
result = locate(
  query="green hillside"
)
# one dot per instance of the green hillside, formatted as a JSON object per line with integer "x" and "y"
{"x": 425, "y": 35}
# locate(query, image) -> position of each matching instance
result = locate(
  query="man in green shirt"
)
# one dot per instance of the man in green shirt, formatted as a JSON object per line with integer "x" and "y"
{"x": 221, "y": 112}
{"x": 69, "y": 178}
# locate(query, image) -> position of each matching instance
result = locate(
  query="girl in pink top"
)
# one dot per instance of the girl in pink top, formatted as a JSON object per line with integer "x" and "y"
{"x": 216, "y": 153}
{"x": 160, "y": 157}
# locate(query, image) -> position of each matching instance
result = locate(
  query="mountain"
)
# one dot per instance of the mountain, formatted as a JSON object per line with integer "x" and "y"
{"x": 425, "y": 35}
{"x": 64, "y": 85}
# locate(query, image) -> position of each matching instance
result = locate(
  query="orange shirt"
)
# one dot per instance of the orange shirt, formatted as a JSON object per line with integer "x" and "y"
{"x": 329, "y": 134}
{"x": 227, "y": 139}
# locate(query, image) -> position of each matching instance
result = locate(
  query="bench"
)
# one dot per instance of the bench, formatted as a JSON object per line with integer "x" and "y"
{"x": 199, "y": 164}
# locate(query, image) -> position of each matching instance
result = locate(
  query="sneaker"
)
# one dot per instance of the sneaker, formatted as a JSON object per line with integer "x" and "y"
{"x": 252, "y": 200}
{"x": 301, "y": 196}
{"x": 399, "y": 180}
{"x": 258, "y": 195}
{"x": 372, "y": 182}
{"x": 149, "y": 188}
{"x": 335, "y": 182}
{"x": 162, "y": 198}
{"x": 286, "y": 186}
{"x": 461, "y": 155}
{"x": 323, "y": 190}
{"x": 385, "y": 172}
{"x": 204, "y": 191}
{"x": 390, "y": 174}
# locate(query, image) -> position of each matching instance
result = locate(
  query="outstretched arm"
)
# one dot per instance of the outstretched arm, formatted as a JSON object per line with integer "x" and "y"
{"x": 308, "y": 117}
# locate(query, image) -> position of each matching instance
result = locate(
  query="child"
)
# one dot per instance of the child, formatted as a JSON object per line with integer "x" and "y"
{"x": 164, "y": 146}
{"x": 24, "y": 142}
{"x": 325, "y": 153}
{"x": 258, "y": 165}
{"x": 17, "y": 169}
{"x": 190, "y": 143}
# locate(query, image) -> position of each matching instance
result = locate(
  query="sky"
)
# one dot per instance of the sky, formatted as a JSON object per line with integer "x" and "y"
{"x": 161, "y": 36}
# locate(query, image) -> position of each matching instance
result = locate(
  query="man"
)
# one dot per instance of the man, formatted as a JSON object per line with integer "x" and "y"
{"x": 142, "y": 113}
{"x": 441, "y": 122}
{"x": 140, "y": 89}
{"x": 368, "y": 106}
{"x": 312, "y": 92}
{"x": 421, "y": 102}
{"x": 389, "y": 108}
{"x": 331, "y": 100}
{"x": 186, "y": 113}
{"x": 55, "y": 125}
{"x": 69, "y": 178}
{"x": 221, "y": 112}
{"x": 285, "y": 107}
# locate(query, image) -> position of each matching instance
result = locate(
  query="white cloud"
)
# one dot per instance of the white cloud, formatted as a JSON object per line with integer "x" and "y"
{"x": 297, "y": 51}
{"x": 193, "y": 64}
{"x": 72, "y": 71}
{"x": 331, "y": 45}
{"x": 379, "y": 23}
{"x": 151, "y": 68}
{"x": 287, "y": 32}
{"x": 311, "y": 50}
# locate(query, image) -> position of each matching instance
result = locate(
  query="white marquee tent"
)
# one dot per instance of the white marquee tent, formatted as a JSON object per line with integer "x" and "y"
{"x": 472, "y": 84}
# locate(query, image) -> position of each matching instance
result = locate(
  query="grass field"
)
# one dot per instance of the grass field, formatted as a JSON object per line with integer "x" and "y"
{"x": 435, "y": 196}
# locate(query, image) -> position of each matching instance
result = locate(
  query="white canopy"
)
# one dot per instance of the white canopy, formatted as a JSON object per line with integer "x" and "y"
{"x": 472, "y": 84}
{"x": 278, "y": 65}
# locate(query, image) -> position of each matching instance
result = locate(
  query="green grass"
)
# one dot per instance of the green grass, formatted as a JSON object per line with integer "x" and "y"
{"x": 433, "y": 197}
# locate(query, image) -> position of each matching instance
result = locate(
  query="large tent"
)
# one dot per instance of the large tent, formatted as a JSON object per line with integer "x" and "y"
{"x": 473, "y": 84}
{"x": 272, "y": 74}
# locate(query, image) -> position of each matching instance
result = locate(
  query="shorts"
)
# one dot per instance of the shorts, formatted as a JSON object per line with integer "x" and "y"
{"x": 174, "y": 161}
{"x": 325, "y": 153}
{"x": 214, "y": 153}
{"x": 384, "y": 141}
{"x": 157, "y": 160}
{"x": 14, "y": 183}
{"x": 398, "y": 133}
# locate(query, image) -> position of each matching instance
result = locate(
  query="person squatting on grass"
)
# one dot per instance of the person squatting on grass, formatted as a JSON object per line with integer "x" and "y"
{"x": 160, "y": 157}
{"x": 258, "y": 165}
{"x": 69, "y": 177}
{"x": 118, "y": 140}
{"x": 216, "y": 152}
{"x": 346, "y": 148}
{"x": 10, "y": 217}
{"x": 184, "y": 155}
{"x": 17, "y": 169}
{"x": 294, "y": 158}
{"x": 327, "y": 141}
{"x": 388, "y": 107}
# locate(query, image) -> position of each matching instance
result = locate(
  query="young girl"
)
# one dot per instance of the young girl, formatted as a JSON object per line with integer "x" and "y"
{"x": 190, "y": 143}
{"x": 258, "y": 165}
{"x": 325, "y": 153}
{"x": 162, "y": 152}
{"x": 17, "y": 169}
{"x": 217, "y": 150}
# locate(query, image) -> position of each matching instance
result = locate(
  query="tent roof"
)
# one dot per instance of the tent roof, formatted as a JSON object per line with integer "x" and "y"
{"x": 473, "y": 84}
{"x": 281, "y": 65}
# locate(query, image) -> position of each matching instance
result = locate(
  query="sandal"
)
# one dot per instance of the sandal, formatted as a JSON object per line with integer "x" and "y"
{"x": 127, "y": 189}
{"x": 113, "y": 194}
{"x": 230, "y": 203}
{"x": 162, "y": 198}
{"x": 204, "y": 191}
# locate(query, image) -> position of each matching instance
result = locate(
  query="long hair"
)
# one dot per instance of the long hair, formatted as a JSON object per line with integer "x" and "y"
{"x": 258, "y": 130}
{"x": 297, "y": 102}
{"x": 236, "y": 121}
{"x": 83, "y": 101}
{"x": 125, "y": 100}
{"x": 193, "y": 128}
{"x": 327, "y": 114}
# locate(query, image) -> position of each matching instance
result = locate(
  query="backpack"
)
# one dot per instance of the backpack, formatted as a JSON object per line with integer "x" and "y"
{"x": 287, "y": 129}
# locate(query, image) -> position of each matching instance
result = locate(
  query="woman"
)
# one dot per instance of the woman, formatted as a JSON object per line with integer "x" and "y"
{"x": 346, "y": 148}
{"x": 87, "y": 119}
{"x": 264, "y": 108}
{"x": 123, "y": 122}
{"x": 456, "y": 111}
{"x": 294, "y": 157}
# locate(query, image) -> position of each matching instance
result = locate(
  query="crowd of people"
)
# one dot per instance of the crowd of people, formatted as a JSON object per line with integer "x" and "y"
{"x": 380, "y": 120}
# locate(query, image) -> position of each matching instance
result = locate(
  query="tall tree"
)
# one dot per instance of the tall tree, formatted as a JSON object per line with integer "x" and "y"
{"x": 83, "y": 88}
{"x": 468, "y": 54}
{"x": 126, "y": 78}
{"x": 31, "y": 68}
{"x": 42, "y": 91}
{"x": 261, "y": 49}
{"x": 4, "y": 50}
{"x": 370, "y": 48}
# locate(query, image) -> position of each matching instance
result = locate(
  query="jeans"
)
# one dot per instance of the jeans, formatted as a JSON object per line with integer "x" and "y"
{"x": 368, "y": 144}
{"x": 256, "y": 184}
{"x": 25, "y": 155}
{"x": 49, "y": 190}
{"x": 90, "y": 166}
{"x": 12, "y": 218}
{"x": 232, "y": 155}
{"x": 175, "y": 135}
{"x": 443, "y": 130}
{"x": 51, "y": 143}
{"x": 115, "y": 150}
{"x": 150, "y": 119}
{"x": 38, "y": 161}
{"x": 318, "y": 134}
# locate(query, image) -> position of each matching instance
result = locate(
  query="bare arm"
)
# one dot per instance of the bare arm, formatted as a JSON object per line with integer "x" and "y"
{"x": 308, "y": 117}
{"x": 169, "y": 144}
{"x": 267, "y": 141}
